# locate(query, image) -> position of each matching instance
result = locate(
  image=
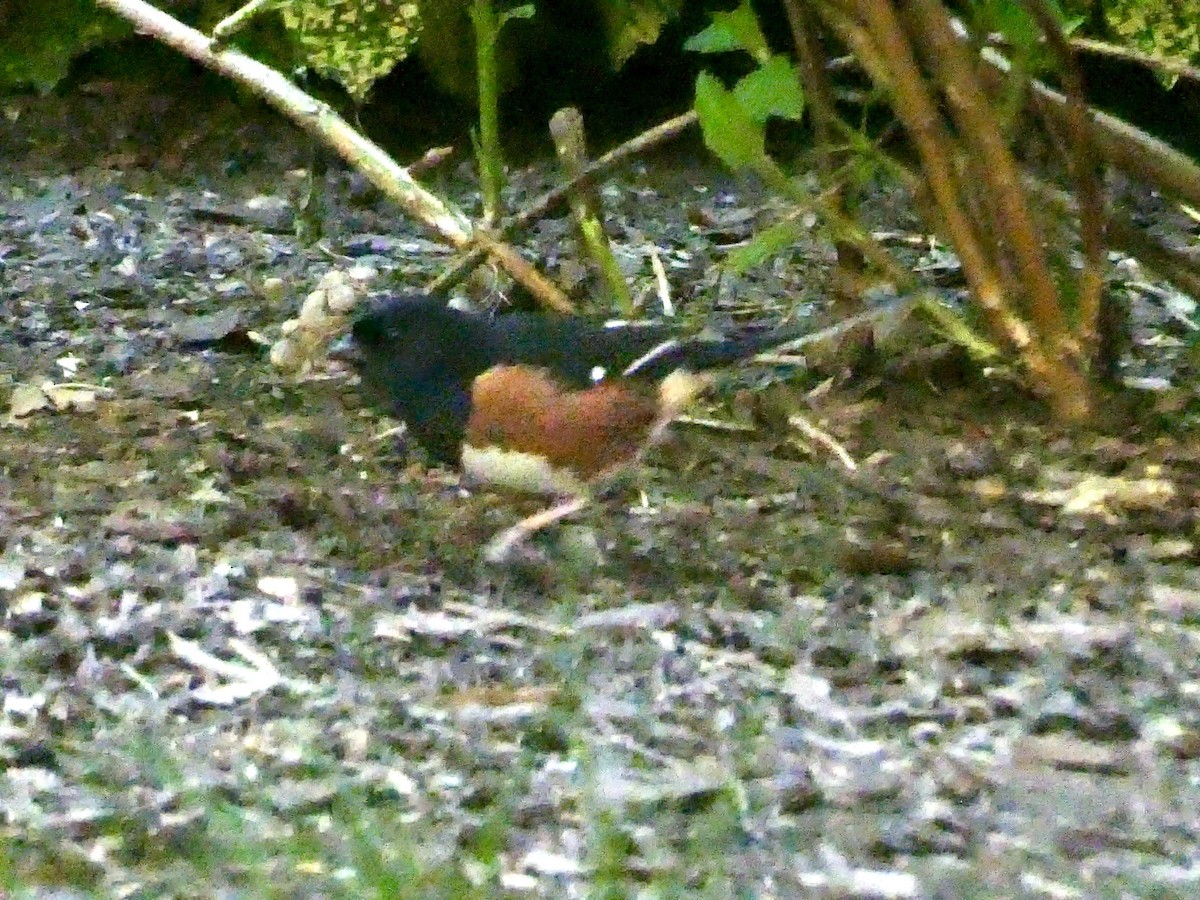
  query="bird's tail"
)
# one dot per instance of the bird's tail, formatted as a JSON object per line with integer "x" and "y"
{"x": 699, "y": 353}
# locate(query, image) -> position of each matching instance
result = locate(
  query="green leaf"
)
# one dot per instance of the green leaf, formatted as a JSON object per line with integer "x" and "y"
{"x": 1070, "y": 26}
{"x": 628, "y": 24}
{"x": 729, "y": 132}
{"x": 524, "y": 11}
{"x": 38, "y": 41}
{"x": 773, "y": 89}
{"x": 767, "y": 243}
{"x": 1167, "y": 29}
{"x": 1012, "y": 21}
{"x": 353, "y": 41}
{"x": 734, "y": 30}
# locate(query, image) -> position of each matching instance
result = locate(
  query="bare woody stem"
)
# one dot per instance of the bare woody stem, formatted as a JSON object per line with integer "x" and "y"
{"x": 954, "y": 68}
{"x": 1044, "y": 343}
{"x": 888, "y": 58}
{"x": 1082, "y": 163}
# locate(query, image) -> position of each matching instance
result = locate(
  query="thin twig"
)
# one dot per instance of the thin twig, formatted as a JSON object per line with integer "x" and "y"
{"x": 893, "y": 308}
{"x": 605, "y": 164}
{"x": 570, "y": 143}
{"x": 824, "y": 438}
{"x": 661, "y": 282}
{"x": 1133, "y": 151}
{"x": 951, "y": 60}
{"x": 888, "y": 58}
{"x": 321, "y": 121}
{"x": 883, "y": 48}
{"x": 490, "y": 616}
{"x": 234, "y": 22}
{"x": 500, "y": 548}
{"x": 715, "y": 425}
{"x": 1176, "y": 266}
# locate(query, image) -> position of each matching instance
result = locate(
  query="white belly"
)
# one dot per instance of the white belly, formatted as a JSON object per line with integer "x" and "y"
{"x": 525, "y": 472}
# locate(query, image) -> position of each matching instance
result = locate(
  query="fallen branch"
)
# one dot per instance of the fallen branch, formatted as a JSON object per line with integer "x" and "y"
{"x": 1130, "y": 149}
{"x": 824, "y": 439}
{"x": 320, "y": 120}
{"x": 1159, "y": 65}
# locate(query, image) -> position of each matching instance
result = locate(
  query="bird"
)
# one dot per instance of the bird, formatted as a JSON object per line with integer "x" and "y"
{"x": 537, "y": 402}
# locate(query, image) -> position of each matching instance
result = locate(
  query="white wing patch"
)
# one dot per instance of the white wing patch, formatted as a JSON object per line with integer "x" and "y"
{"x": 646, "y": 358}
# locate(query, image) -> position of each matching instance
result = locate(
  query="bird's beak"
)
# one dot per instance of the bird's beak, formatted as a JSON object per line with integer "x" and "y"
{"x": 346, "y": 349}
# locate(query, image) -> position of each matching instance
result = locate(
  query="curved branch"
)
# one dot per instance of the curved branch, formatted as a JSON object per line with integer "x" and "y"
{"x": 321, "y": 121}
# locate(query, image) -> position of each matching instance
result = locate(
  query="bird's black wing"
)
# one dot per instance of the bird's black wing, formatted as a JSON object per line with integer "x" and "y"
{"x": 701, "y": 352}
{"x": 578, "y": 350}
{"x": 583, "y": 351}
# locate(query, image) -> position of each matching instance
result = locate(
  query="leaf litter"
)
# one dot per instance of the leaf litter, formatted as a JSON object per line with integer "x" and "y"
{"x": 849, "y": 650}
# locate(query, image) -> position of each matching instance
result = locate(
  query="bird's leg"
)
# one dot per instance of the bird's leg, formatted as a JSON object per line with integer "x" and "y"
{"x": 500, "y": 548}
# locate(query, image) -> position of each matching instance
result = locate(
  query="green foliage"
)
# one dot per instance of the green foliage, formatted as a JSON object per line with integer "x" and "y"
{"x": 1020, "y": 30}
{"x": 525, "y": 11}
{"x": 1166, "y": 28}
{"x": 773, "y": 89}
{"x": 734, "y": 30}
{"x": 1006, "y": 18}
{"x": 765, "y": 244}
{"x": 353, "y": 41}
{"x": 628, "y": 24}
{"x": 488, "y": 23}
{"x": 729, "y": 130}
{"x": 38, "y": 40}
{"x": 734, "y": 121}
{"x": 1028, "y": 53}
{"x": 447, "y": 50}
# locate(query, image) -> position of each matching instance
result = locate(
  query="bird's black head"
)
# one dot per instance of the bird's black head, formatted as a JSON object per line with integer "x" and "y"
{"x": 417, "y": 359}
{"x": 411, "y": 333}
{"x": 396, "y": 321}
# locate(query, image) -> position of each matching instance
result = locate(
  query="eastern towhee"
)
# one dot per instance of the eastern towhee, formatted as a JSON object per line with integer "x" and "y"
{"x": 536, "y": 402}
